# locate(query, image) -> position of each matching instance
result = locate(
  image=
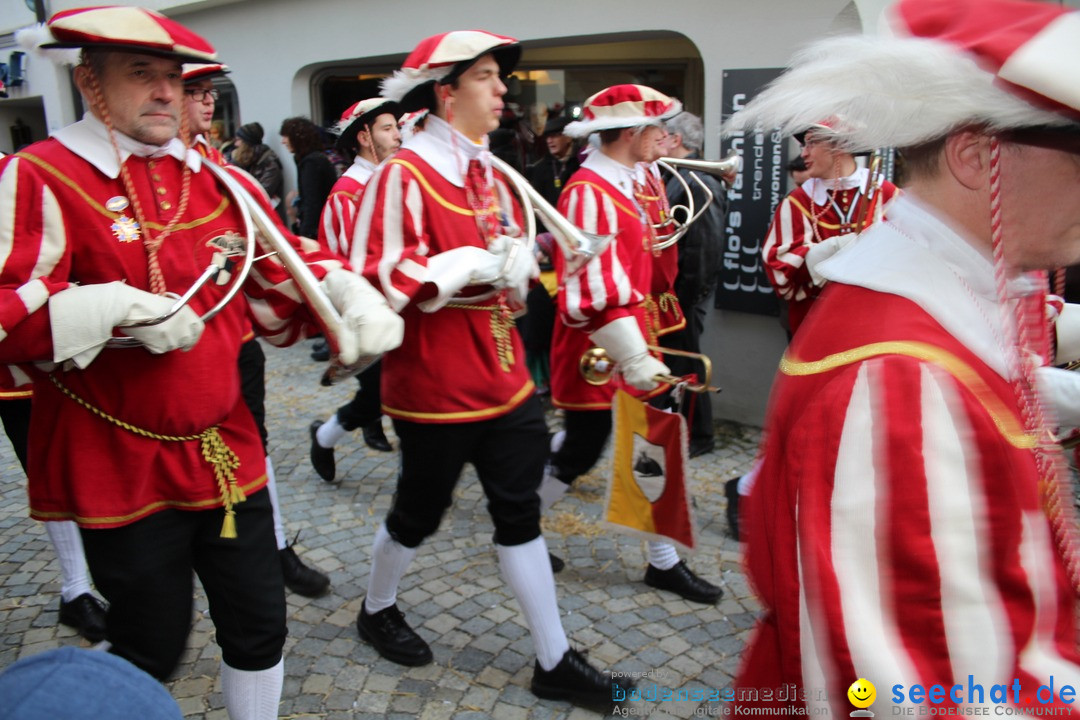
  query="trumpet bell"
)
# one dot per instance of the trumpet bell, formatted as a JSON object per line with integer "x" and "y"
{"x": 596, "y": 367}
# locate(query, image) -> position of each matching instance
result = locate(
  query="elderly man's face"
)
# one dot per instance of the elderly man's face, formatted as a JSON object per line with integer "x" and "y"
{"x": 558, "y": 144}
{"x": 143, "y": 94}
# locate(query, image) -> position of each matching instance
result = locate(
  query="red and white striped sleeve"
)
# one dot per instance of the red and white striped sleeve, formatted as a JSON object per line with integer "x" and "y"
{"x": 338, "y": 220}
{"x": 602, "y": 291}
{"x": 922, "y": 554}
{"x": 389, "y": 241}
{"x": 784, "y": 252}
{"x": 34, "y": 261}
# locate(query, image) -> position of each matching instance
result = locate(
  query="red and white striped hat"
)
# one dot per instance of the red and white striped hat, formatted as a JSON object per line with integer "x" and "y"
{"x": 202, "y": 71}
{"x": 1002, "y": 64}
{"x": 364, "y": 111}
{"x": 442, "y": 58}
{"x": 623, "y": 106}
{"x": 133, "y": 29}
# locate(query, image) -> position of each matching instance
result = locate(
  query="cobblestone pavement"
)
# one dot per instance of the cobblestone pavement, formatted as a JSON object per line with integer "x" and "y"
{"x": 453, "y": 594}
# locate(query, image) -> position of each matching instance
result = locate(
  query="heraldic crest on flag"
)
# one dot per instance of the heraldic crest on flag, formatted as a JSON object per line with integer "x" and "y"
{"x": 647, "y": 493}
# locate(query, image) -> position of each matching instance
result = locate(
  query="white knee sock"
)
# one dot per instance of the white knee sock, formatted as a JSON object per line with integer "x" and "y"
{"x": 662, "y": 556}
{"x": 557, "y": 441}
{"x": 330, "y": 432}
{"x": 746, "y": 482}
{"x": 527, "y": 571}
{"x": 551, "y": 491}
{"x": 252, "y": 694}
{"x": 271, "y": 486}
{"x": 389, "y": 561}
{"x": 67, "y": 543}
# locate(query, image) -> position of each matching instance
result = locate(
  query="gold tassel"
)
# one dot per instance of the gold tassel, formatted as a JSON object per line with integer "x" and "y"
{"x": 228, "y": 528}
{"x": 238, "y": 495}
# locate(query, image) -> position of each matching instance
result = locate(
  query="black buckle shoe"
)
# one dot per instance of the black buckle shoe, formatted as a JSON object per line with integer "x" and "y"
{"x": 576, "y": 681}
{"x": 320, "y": 351}
{"x": 731, "y": 492}
{"x": 682, "y": 581}
{"x": 322, "y": 459}
{"x": 392, "y": 637}
{"x": 375, "y": 437}
{"x": 557, "y": 563}
{"x": 300, "y": 578}
{"x": 86, "y": 614}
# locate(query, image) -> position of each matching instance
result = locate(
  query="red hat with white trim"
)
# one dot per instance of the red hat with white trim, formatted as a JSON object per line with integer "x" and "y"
{"x": 359, "y": 115}
{"x": 125, "y": 28}
{"x": 1000, "y": 64}
{"x": 441, "y": 59}
{"x": 203, "y": 71}
{"x": 623, "y": 106}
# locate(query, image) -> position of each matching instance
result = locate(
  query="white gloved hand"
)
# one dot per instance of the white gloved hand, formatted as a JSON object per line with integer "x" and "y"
{"x": 623, "y": 342}
{"x": 822, "y": 251}
{"x": 82, "y": 319}
{"x": 1067, "y": 329}
{"x": 369, "y": 326}
{"x": 453, "y": 269}
{"x": 520, "y": 264}
{"x": 1060, "y": 391}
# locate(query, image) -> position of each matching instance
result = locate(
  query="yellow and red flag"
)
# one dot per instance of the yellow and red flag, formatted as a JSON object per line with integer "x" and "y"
{"x": 647, "y": 495}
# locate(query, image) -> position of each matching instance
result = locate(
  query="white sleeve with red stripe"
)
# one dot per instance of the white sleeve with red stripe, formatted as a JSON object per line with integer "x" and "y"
{"x": 337, "y": 222}
{"x": 389, "y": 241}
{"x": 909, "y": 554}
{"x": 785, "y": 249}
{"x": 602, "y": 291}
{"x": 34, "y": 261}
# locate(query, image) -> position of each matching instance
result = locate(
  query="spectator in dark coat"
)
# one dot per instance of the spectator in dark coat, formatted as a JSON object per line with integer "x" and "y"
{"x": 315, "y": 174}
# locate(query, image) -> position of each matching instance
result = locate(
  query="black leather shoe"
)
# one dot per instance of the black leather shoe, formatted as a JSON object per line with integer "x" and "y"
{"x": 557, "y": 563}
{"x": 300, "y": 578}
{"x": 682, "y": 581}
{"x": 388, "y": 632}
{"x": 86, "y": 614}
{"x": 731, "y": 491}
{"x": 701, "y": 446}
{"x": 320, "y": 351}
{"x": 575, "y": 680}
{"x": 322, "y": 459}
{"x": 376, "y": 438}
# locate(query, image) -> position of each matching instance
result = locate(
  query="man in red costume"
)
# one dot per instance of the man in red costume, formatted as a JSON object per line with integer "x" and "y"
{"x": 438, "y": 233}
{"x": 108, "y": 216}
{"x": 612, "y": 301}
{"x": 910, "y": 524}
{"x": 820, "y": 217}
{"x": 368, "y": 130}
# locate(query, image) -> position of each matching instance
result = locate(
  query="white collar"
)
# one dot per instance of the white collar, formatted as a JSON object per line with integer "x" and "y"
{"x": 919, "y": 256}
{"x": 361, "y": 170}
{"x": 619, "y": 175}
{"x": 89, "y": 139}
{"x": 817, "y": 188}
{"x": 447, "y": 151}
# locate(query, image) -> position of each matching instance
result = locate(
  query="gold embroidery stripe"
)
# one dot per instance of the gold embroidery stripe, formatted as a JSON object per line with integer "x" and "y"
{"x": 519, "y": 396}
{"x": 602, "y": 191}
{"x": 810, "y": 217}
{"x": 100, "y": 209}
{"x": 1003, "y": 418}
{"x": 430, "y": 190}
{"x": 16, "y": 394}
{"x": 141, "y": 512}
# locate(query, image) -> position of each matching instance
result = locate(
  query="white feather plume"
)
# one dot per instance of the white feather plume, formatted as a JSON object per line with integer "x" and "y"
{"x": 398, "y": 85}
{"x": 886, "y": 91}
{"x": 31, "y": 38}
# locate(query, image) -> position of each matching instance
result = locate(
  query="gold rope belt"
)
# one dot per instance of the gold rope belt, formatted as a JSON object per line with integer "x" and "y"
{"x": 501, "y": 322}
{"x": 214, "y": 450}
{"x": 669, "y": 302}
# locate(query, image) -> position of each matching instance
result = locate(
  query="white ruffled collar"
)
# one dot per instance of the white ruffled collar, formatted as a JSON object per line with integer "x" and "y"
{"x": 89, "y": 139}
{"x": 447, "y": 151}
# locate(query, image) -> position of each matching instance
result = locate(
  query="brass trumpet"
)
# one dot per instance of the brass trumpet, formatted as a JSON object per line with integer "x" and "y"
{"x": 725, "y": 169}
{"x": 597, "y": 368}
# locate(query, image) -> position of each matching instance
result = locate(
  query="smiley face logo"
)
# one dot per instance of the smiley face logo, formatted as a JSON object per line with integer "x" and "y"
{"x": 862, "y": 693}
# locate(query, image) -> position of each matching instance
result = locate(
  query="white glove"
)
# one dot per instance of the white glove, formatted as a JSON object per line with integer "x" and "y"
{"x": 1067, "y": 328}
{"x": 82, "y": 319}
{"x": 522, "y": 266}
{"x": 623, "y": 342}
{"x": 822, "y": 251}
{"x": 1060, "y": 391}
{"x": 369, "y": 326}
{"x": 453, "y": 269}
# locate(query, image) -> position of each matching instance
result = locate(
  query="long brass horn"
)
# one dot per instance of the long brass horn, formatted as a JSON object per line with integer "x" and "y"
{"x": 597, "y": 368}
{"x": 725, "y": 169}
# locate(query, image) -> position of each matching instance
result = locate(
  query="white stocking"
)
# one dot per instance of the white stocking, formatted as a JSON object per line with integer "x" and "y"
{"x": 252, "y": 694}
{"x": 67, "y": 543}
{"x": 527, "y": 571}
{"x": 389, "y": 561}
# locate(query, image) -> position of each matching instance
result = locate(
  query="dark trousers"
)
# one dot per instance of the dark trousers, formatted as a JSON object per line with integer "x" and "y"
{"x": 252, "y": 366}
{"x": 587, "y": 432}
{"x": 696, "y": 409}
{"x": 16, "y": 418}
{"x": 145, "y": 569}
{"x": 366, "y": 405}
{"x": 508, "y": 453}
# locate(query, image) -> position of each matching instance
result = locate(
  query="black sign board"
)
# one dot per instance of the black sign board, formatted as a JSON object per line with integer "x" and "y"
{"x": 753, "y": 198}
